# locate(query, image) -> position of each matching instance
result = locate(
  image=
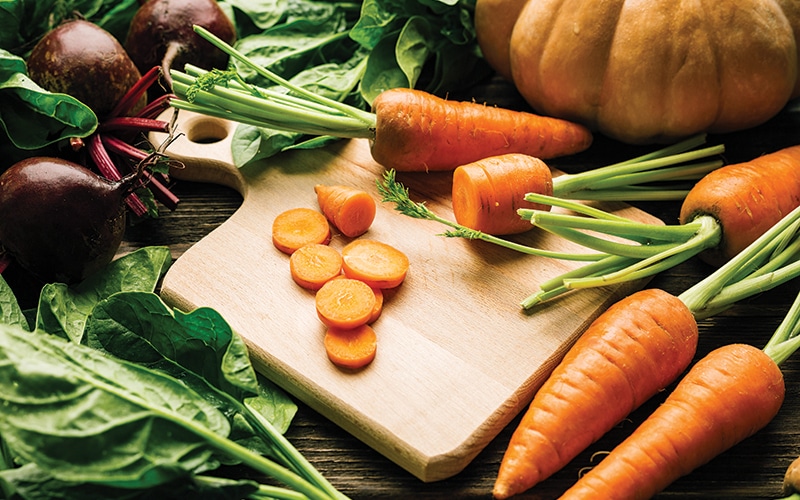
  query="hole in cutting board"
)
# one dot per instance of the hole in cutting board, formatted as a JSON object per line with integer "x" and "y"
{"x": 206, "y": 130}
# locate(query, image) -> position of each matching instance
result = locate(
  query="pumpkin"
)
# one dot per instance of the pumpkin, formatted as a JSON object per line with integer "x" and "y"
{"x": 647, "y": 71}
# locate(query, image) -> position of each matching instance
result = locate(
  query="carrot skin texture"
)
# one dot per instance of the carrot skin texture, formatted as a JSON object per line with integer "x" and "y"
{"x": 417, "y": 132}
{"x": 630, "y": 352}
{"x": 746, "y": 198}
{"x": 349, "y": 209}
{"x": 487, "y": 193}
{"x": 351, "y": 349}
{"x": 725, "y": 398}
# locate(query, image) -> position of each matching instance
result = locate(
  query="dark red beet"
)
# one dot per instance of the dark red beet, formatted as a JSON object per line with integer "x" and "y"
{"x": 161, "y": 34}
{"x": 85, "y": 61}
{"x": 59, "y": 220}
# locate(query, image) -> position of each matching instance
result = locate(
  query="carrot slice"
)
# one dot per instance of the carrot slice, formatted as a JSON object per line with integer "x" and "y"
{"x": 351, "y": 210}
{"x": 375, "y": 263}
{"x": 379, "y": 301}
{"x": 298, "y": 227}
{"x": 345, "y": 303}
{"x": 351, "y": 348}
{"x": 313, "y": 265}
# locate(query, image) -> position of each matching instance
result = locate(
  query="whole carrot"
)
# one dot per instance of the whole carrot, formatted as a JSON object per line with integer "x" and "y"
{"x": 417, "y": 131}
{"x": 726, "y": 397}
{"x": 410, "y": 130}
{"x": 631, "y": 351}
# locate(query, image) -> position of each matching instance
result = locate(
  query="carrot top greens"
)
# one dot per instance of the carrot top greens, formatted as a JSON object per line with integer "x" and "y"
{"x": 635, "y": 179}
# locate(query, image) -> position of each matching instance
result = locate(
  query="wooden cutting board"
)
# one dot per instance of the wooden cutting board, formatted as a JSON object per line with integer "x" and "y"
{"x": 457, "y": 357}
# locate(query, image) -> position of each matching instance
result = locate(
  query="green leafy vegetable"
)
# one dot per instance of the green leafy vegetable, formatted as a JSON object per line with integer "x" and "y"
{"x": 32, "y": 117}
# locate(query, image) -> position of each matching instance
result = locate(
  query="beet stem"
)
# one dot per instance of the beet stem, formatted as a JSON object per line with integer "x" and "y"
{"x": 160, "y": 191}
{"x": 156, "y": 107}
{"x": 106, "y": 166}
{"x": 136, "y": 91}
{"x": 134, "y": 123}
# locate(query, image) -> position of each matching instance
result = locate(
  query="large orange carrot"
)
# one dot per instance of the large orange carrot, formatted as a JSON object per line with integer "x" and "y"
{"x": 726, "y": 397}
{"x": 417, "y": 131}
{"x": 636, "y": 348}
{"x": 410, "y": 130}
{"x": 487, "y": 193}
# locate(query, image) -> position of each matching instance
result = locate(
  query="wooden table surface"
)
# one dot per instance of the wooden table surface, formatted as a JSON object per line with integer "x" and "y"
{"x": 753, "y": 469}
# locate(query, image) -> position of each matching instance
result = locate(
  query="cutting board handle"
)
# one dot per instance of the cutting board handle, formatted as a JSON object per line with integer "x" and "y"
{"x": 202, "y": 150}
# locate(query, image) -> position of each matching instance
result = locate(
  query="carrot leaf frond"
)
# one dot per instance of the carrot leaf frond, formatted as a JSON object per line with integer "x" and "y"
{"x": 636, "y": 179}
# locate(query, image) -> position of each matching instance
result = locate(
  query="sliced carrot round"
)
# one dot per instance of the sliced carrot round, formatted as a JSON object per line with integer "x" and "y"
{"x": 375, "y": 263}
{"x": 298, "y": 227}
{"x": 345, "y": 303}
{"x": 313, "y": 265}
{"x": 351, "y": 348}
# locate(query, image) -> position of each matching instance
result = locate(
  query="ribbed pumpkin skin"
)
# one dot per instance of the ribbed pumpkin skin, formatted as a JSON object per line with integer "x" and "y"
{"x": 647, "y": 71}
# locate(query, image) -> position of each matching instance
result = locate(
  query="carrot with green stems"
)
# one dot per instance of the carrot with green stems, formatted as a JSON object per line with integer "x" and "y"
{"x": 410, "y": 130}
{"x": 487, "y": 194}
{"x": 723, "y": 213}
{"x": 726, "y": 397}
{"x": 630, "y": 352}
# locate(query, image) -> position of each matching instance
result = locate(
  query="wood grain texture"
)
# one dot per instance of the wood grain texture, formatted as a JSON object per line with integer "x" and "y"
{"x": 457, "y": 358}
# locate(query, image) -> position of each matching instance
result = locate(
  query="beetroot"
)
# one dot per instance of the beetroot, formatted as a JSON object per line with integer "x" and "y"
{"x": 161, "y": 34}
{"x": 85, "y": 61}
{"x": 59, "y": 220}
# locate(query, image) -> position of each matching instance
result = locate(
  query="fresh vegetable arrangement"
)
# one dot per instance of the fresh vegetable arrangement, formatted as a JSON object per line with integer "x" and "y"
{"x": 106, "y": 372}
{"x": 646, "y": 73}
{"x": 633, "y": 350}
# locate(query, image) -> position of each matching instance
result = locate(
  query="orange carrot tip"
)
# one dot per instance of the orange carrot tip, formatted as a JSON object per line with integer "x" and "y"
{"x": 409, "y": 130}
{"x": 345, "y": 303}
{"x": 351, "y": 348}
{"x": 311, "y": 266}
{"x": 349, "y": 209}
{"x": 487, "y": 193}
{"x": 298, "y": 227}
{"x": 377, "y": 264}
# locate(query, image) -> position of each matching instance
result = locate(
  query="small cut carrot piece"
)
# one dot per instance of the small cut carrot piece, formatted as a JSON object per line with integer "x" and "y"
{"x": 351, "y": 348}
{"x": 487, "y": 193}
{"x": 297, "y": 227}
{"x": 377, "y": 264}
{"x": 351, "y": 210}
{"x": 345, "y": 303}
{"x": 311, "y": 266}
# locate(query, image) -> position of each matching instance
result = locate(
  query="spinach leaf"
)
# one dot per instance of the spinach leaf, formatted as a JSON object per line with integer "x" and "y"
{"x": 30, "y": 482}
{"x": 198, "y": 348}
{"x": 63, "y": 310}
{"x": 85, "y": 416}
{"x": 10, "y": 312}
{"x": 33, "y": 117}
